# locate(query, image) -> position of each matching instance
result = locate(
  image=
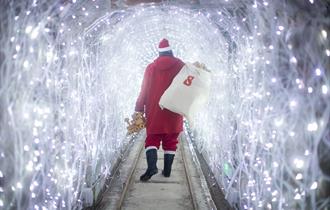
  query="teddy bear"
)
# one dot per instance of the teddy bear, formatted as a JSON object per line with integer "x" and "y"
{"x": 136, "y": 124}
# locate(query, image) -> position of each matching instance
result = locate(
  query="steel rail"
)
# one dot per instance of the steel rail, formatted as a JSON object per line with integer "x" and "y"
{"x": 192, "y": 194}
{"x": 129, "y": 179}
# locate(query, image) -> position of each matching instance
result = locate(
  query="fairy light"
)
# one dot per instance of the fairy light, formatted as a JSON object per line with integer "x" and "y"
{"x": 324, "y": 34}
{"x": 293, "y": 103}
{"x": 327, "y": 52}
{"x": 18, "y": 47}
{"x": 26, "y": 64}
{"x": 299, "y": 176}
{"x": 291, "y": 125}
{"x": 297, "y": 197}
{"x": 310, "y": 89}
{"x": 318, "y": 72}
{"x": 298, "y": 163}
{"x": 19, "y": 185}
{"x": 324, "y": 89}
{"x": 313, "y": 186}
{"x": 35, "y": 33}
{"x": 293, "y": 60}
{"x": 72, "y": 98}
{"x": 312, "y": 126}
{"x": 28, "y": 29}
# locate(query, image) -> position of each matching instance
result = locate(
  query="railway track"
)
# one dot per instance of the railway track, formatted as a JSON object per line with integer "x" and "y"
{"x": 185, "y": 189}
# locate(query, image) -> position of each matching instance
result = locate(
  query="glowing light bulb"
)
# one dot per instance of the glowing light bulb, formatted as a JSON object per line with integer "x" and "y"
{"x": 324, "y": 89}
{"x": 19, "y": 185}
{"x": 35, "y": 33}
{"x": 299, "y": 176}
{"x": 26, "y": 64}
{"x": 38, "y": 123}
{"x": 29, "y": 166}
{"x": 313, "y": 186}
{"x": 1, "y": 202}
{"x": 293, "y": 60}
{"x": 318, "y": 72}
{"x": 28, "y": 29}
{"x": 310, "y": 89}
{"x": 298, "y": 163}
{"x": 312, "y": 126}
{"x": 275, "y": 193}
{"x": 306, "y": 153}
{"x": 324, "y": 34}
{"x": 278, "y": 122}
{"x": 327, "y": 52}
{"x": 36, "y": 153}
{"x": 293, "y": 103}
{"x": 269, "y": 145}
{"x": 297, "y": 197}
{"x": 18, "y": 47}
{"x": 26, "y": 148}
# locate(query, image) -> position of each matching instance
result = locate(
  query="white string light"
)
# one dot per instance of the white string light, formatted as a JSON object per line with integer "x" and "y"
{"x": 66, "y": 87}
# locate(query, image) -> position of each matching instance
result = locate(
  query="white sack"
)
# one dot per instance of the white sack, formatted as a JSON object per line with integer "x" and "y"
{"x": 186, "y": 95}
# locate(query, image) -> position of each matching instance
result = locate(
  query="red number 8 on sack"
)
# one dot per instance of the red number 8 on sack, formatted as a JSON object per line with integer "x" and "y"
{"x": 189, "y": 80}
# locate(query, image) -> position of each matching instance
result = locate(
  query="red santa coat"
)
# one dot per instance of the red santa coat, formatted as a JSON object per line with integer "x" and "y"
{"x": 157, "y": 78}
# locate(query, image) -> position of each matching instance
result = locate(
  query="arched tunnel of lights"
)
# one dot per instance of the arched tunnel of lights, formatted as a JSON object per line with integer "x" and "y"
{"x": 71, "y": 71}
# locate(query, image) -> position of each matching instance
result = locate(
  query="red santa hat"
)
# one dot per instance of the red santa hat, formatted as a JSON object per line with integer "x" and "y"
{"x": 164, "y": 46}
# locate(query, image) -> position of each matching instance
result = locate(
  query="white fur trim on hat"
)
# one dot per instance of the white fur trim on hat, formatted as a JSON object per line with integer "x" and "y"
{"x": 164, "y": 49}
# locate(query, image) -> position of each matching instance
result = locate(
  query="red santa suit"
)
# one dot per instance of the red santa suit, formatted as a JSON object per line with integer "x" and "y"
{"x": 161, "y": 125}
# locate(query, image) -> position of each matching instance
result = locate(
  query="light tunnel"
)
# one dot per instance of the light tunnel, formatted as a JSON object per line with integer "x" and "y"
{"x": 71, "y": 72}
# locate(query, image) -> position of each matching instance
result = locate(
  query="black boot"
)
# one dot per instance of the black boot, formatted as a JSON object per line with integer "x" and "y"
{"x": 168, "y": 160}
{"x": 152, "y": 165}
